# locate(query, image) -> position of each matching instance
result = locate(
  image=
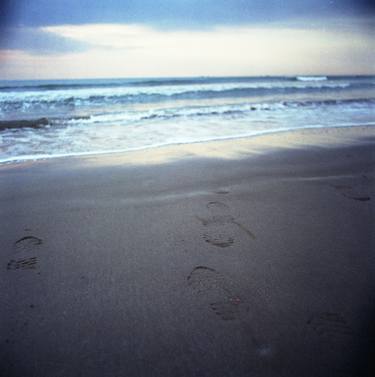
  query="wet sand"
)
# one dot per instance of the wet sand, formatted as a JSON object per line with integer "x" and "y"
{"x": 227, "y": 259}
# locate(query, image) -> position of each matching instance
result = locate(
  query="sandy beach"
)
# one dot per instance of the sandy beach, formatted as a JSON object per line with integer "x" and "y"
{"x": 250, "y": 257}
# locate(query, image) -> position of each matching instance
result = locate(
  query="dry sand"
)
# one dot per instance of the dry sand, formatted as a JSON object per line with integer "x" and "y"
{"x": 223, "y": 259}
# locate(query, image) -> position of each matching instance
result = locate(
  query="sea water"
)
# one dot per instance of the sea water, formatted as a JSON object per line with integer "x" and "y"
{"x": 54, "y": 118}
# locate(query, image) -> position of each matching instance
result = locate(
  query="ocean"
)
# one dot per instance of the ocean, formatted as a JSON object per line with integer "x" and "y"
{"x": 55, "y": 118}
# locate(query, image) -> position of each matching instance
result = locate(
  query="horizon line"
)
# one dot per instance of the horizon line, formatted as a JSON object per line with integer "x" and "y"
{"x": 194, "y": 76}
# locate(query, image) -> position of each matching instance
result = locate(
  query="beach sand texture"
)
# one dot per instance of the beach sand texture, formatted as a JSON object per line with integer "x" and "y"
{"x": 248, "y": 264}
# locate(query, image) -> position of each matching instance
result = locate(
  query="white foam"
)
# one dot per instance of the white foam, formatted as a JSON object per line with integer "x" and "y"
{"x": 312, "y": 78}
{"x": 36, "y": 157}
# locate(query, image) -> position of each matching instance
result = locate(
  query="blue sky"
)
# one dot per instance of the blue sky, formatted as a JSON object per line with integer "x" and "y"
{"x": 323, "y": 35}
{"x": 175, "y": 13}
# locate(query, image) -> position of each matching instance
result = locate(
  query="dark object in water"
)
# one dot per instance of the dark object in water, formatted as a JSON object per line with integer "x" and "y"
{"x": 34, "y": 123}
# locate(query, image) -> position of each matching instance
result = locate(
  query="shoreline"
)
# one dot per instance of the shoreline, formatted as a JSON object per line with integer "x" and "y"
{"x": 260, "y": 143}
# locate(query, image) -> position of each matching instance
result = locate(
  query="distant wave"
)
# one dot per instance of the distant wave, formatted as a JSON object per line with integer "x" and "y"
{"x": 72, "y": 100}
{"x": 312, "y": 78}
{"x": 114, "y": 83}
{"x": 57, "y": 85}
{"x": 226, "y": 111}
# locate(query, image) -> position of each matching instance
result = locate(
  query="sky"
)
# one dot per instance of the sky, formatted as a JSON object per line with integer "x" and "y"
{"x": 46, "y": 39}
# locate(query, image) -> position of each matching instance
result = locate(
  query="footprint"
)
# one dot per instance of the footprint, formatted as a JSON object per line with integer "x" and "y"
{"x": 223, "y": 301}
{"x": 219, "y": 224}
{"x": 22, "y": 264}
{"x": 219, "y": 205}
{"x": 227, "y": 310}
{"x": 219, "y": 233}
{"x": 357, "y": 191}
{"x": 215, "y": 220}
{"x": 27, "y": 243}
{"x": 220, "y": 240}
{"x": 218, "y": 227}
{"x": 329, "y": 325}
{"x": 349, "y": 192}
{"x": 204, "y": 278}
{"x": 221, "y": 192}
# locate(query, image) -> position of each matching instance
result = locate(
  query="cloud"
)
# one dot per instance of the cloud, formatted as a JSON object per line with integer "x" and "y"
{"x": 130, "y": 50}
{"x": 38, "y": 41}
{"x": 113, "y": 36}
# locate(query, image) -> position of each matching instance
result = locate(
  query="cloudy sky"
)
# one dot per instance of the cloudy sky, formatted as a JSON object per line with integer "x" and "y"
{"x": 137, "y": 38}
